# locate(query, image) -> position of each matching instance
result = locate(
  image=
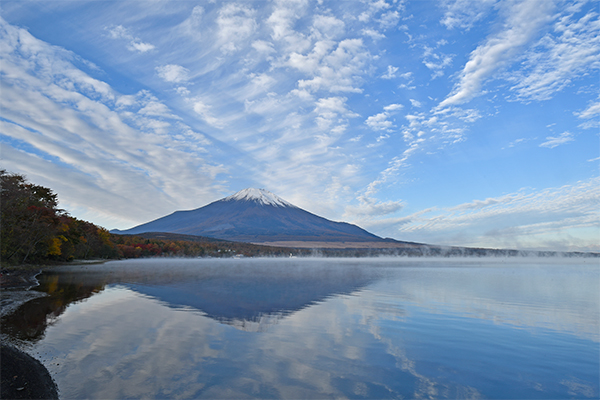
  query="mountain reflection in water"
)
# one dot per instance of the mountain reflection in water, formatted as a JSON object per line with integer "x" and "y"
{"x": 246, "y": 295}
{"x": 257, "y": 295}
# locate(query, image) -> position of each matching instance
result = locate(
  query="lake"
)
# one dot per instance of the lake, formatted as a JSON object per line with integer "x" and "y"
{"x": 317, "y": 328}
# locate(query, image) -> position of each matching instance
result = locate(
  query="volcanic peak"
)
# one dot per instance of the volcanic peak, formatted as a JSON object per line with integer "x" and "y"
{"x": 260, "y": 196}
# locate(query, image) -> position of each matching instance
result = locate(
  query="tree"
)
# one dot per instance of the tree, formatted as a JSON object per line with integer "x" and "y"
{"x": 29, "y": 218}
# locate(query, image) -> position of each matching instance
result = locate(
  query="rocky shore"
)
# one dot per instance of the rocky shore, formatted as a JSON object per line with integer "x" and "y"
{"x": 21, "y": 376}
{"x": 24, "y": 377}
{"x": 14, "y": 288}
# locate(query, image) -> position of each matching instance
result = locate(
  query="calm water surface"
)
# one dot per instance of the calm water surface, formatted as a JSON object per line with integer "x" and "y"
{"x": 318, "y": 328}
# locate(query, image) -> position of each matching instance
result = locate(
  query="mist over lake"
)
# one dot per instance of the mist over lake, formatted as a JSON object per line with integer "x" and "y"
{"x": 317, "y": 328}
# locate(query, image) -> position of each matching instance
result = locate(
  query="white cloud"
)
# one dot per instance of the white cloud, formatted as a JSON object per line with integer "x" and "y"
{"x": 591, "y": 115}
{"x": 236, "y": 25}
{"x": 156, "y": 108}
{"x": 391, "y": 72}
{"x": 379, "y": 122}
{"x": 173, "y": 73}
{"x": 204, "y": 110}
{"x": 519, "y": 141}
{"x": 523, "y": 21}
{"x": 389, "y": 19}
{"x": 436, "y": 62}
{"x": 394, "y": 166}
{"x": 592, "y": 111}
{"x": 393, "y": 107}
{"x": 553, "y": 141}
{"x": 327, "y": 27}
{"x": 134, "y": 43}
{"x": 140, "y": 46}
{"x": 374, "y": 7}
{"x": 465, "y": 14}
{"x": 282, "y": 20}
{"x": 333, "y": 68}
{"x": 525, "y": 219}
{"x": 569, "y": 52}
{"x": 191, "y": 27}
{"x": 263, "y": 47}
{"x": 415, "y": 103}
{"x": 332, "y": 115}
{"x": 332, "y": 104}
{"x": 373, "y": 34}
{"x": 372, "y": 208}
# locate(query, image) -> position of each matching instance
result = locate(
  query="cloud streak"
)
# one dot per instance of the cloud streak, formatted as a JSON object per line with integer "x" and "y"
{"x": 133, "y": 43}
{"x": 523, "y": 20}
{"x": 553, "y": 141}
{"x": 524, "y": 219}
{"x": 106, "y": 141}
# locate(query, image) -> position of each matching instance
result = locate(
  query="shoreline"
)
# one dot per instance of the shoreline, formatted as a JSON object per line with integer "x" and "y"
{"x": 20, "y": 277}
{"x": 22, "y": 376}
{"x": 16, "y": 283}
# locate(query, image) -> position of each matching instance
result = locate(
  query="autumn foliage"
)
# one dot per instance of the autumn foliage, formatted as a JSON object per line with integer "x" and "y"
{"x": 33, "y": 228}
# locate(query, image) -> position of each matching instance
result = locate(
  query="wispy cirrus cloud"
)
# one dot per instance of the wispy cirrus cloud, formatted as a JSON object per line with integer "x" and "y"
{"x": 371, "y": 207}
{"x": 590, "y": 115}
{"x": 553, "y": 141}
{"x": 523, "y": 21}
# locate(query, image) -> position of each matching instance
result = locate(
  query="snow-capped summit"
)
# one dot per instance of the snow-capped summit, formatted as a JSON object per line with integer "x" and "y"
{"x": 255, "y": 216}
{"x": 260, "y": 196}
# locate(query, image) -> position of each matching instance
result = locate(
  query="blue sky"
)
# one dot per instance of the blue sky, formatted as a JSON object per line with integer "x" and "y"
{"x": 470, "y": 123}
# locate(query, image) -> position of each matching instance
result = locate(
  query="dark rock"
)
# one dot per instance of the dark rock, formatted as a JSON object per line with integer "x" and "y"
{"x": 24, "y": 377}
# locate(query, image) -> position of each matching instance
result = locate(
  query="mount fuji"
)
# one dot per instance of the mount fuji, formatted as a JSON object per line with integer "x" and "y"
{"x": 257, "y": 216}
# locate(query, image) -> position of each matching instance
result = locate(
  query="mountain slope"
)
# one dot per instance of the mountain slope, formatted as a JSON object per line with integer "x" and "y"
{"x": 255, "y": 215}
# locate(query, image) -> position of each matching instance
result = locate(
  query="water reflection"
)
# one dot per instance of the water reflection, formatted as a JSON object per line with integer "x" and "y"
{"x": 320, "y": 329}
{"x": 30, "y": 321}
{"x": 250, "y": 295}
{"x": 258, "y": 295}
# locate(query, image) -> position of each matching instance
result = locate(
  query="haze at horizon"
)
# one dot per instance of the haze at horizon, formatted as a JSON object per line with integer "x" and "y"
{"x": 466, "y": 123}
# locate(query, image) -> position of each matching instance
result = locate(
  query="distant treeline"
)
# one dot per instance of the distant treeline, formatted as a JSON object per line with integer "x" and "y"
{"x": 173, "y": 245}
{"x": 34, "y": 230}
